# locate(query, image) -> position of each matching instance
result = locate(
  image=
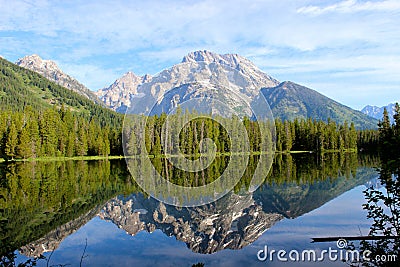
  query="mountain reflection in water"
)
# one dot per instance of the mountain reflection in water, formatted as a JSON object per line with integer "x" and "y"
{"x": 80, "y": 191}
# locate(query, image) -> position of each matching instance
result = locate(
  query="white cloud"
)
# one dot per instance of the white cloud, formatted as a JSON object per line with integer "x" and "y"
{"x": 351, "y": 6}
{"x": 96, "y": 41}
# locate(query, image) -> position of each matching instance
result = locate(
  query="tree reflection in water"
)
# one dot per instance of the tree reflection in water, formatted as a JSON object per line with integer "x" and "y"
{"x": 383, "y": 206}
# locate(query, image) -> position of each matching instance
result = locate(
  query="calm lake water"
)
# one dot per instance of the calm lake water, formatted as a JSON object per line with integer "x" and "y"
{"x": 92, "y": 213}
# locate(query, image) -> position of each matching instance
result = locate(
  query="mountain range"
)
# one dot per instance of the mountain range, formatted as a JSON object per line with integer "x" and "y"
{"x": 21, "y": 87}
{"x": 377, "y": 112}
{"x": 229, "y": 78}
{"x": 232, "y": 222}
{"x": 50, "y": 70}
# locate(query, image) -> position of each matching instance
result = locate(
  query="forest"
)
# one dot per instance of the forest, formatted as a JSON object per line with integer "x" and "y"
{"x": 298, "y": 135}
{"x": 60, "y": 132}
{"x": 39, "y": 118}
{"x": 54, "y": 132}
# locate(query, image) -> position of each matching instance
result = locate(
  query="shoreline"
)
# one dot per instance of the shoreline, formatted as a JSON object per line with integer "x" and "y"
{"x": 86, "y": 158}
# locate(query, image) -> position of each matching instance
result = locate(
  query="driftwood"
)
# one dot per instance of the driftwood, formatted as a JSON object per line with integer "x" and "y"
{"x": 367, "y": 237}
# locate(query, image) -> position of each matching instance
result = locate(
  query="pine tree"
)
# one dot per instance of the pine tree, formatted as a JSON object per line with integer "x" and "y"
{"x": 396, "y": 125}
{"x": 352, "y": 137}
{"x": 24, "y": 149}
{"x": 288, "y": 141}
{"x": 11, "y": 141}
{"x": 396, "y": 118}
{"x": 81, "y": 145}
{"x": 70, "y": 148}
{"x": 3, "y": 133}
{"x": 385, "y": 129}
{"x": 34, "y": 138}
{"x": 48, "y": 126}
{"x": 106, "y": 147}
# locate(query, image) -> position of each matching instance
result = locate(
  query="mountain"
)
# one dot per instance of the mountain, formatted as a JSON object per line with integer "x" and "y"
{"x": 233, "y": 222}
{"x": 230, "y": 79}
{"x": 289, "y": 100}
{"x": 377, "y": 112}
{"x": 53, "y": 239}
{"x": 118, "y": 95}
{"x": 20, "y": 87}
{"x": 51, "y": 71}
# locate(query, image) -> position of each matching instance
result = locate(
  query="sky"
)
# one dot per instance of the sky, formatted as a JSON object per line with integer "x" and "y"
{"x": 348, "y": 50}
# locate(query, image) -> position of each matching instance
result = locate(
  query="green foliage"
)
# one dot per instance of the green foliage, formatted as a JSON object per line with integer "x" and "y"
{"x": 40, "y": 118}
{"x": 11, "y": 141}
{"x": 317, "y": 136}
{"x": 289, "y": 101}
{"x": 383, "y": 202}
{"x": 299, "y": 183}
{"x": 383, "y": 209}
{"x": 31, "y": 134}
{"x": 389, "y": 134}
{"x": 25, "y": 92}
{"x": 37, "y": 197}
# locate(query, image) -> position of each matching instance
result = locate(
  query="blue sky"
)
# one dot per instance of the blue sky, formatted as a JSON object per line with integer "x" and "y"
{"x": 348, "y": 50}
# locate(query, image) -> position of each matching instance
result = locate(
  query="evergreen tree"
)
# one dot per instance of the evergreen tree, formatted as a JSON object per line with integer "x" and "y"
{"x": 396, "y": 127}
{"x": 81, "y": 144}
{"x": 288, "y": 141}
{"x": 352, "y": 136}
{"x": 24, "y": 149}
{"x": 70, "y": 148}
{"x": 34, "y": 138}
{"x": 396, "y": 117}
{"x": 11, "y": 141}
{"x": 385, "y": 129}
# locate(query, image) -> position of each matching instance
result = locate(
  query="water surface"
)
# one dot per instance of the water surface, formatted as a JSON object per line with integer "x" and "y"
{"x": 93, "y": 213}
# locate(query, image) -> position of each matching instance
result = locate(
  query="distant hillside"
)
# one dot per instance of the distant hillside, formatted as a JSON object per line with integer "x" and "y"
{"x": 289, "y": 100}
{"x": 20, "y": 87}
{"x": 51, "y": 71}
{"x": 377, "y": 112}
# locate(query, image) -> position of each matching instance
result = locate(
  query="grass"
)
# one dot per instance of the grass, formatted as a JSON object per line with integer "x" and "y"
{"x": 44, "y": 159}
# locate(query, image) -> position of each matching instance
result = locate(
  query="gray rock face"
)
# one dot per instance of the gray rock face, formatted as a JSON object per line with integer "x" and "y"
{"x": 51, "y": 71}
{"x": 235, "y": 79}
{"x": 118, "y": 95}
{"x": 377, "y": 112}
{"x": 232, "y": 222}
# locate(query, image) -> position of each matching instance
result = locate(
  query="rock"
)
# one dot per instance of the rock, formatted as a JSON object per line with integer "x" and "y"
{"x": 118, "y": 95}
{"x": 229, "y": 78}
{"x": 232, "y": 222}
{"x": 51, "y": 71}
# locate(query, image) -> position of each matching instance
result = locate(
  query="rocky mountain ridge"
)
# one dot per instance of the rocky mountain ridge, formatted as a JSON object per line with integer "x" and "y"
{"x": 232, "y": 222}
{"x": 230, "y": 79}
{"x": 377, "y": 112}
{"x": 50, "y": 70}
{"x": 237, "y": 79}
{"x": 52, "y": 240}
{"x": 118, "y": 95}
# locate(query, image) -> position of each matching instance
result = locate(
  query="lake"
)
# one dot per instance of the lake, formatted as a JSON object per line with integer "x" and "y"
{"x": 92, "y": 213}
